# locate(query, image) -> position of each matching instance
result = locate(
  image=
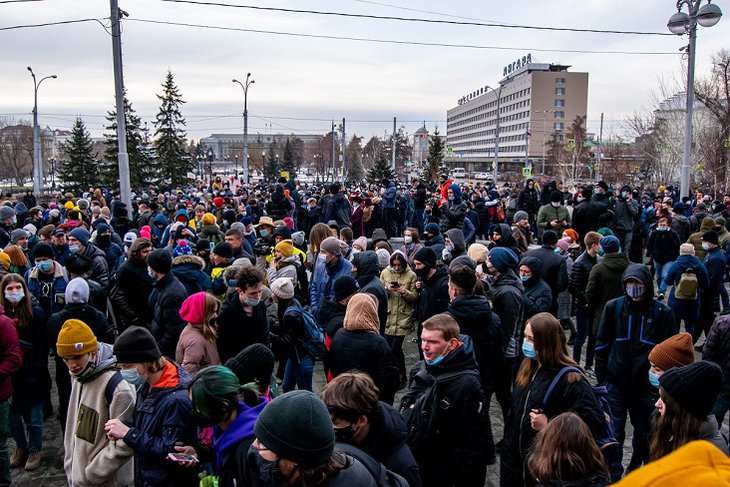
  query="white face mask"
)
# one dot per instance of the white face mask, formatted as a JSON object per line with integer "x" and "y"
{"x": 555, "y": 203}
{"x": 14, "y": 296}
{"x": 408, "y": 239}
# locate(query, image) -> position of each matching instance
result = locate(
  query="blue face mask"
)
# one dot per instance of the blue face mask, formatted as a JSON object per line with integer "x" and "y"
{"x": 438, "y": 359}
{"x": 528, "y": 350}
{"x": 653, "y": 379}
{"x": 556, "y": 250}
{"x": 601, "y": 252}
{"x": 525, "y": 278}
{"x": 133, "y": 377}
{"x": 45, "y": 266}
{"x": 74, "y": 248}
{"x": 264, "y": 233}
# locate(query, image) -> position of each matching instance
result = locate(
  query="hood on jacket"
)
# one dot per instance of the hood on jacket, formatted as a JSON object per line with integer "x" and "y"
{"x": 465, "y": 308}
{"x": 387, "y": 431}
{"x": 240, "y": 429}
{"x": 160, "y": 220}
{"x": 460, "y": 359}
{"x": 105, "y": 360}
{"x": 193, "y": 260}
{"x": 617, "y": 261}
{"x": 535, "y": 266}
{"x": 379, "y": 234}
{"x": 707, "y": 224}
{"x": 505, "y": 232}
{"x": 182, "y": 212}
{"x": 362, "y": 313}
{"x": 403, "y": 257}
{"x": 457, "y": 238}
{"x": 527, "y": 183}
{"x": 457, "y": 191}
{"x": 367, "y": 266}
{"x": 642, "y": 274}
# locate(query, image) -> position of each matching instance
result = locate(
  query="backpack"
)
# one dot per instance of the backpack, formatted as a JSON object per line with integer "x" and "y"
{"x": 111, "y": 386}
{"x": 687, "y": 286}
{"x": 301, "y": 290}
{"x": 382, "y": 476}
{"x": 314, "y": 338}
{"x": 421, "y": 419}
{"x": 606, "y": 441}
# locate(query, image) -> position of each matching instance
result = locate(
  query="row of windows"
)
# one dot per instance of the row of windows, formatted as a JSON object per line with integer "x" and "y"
{"x": 486, "y": 133}
{"x": 450, "y": 127}
{"x": 518, "y": 149}
{"x": 492, "y": 104}
{"x": 487, "y": 141}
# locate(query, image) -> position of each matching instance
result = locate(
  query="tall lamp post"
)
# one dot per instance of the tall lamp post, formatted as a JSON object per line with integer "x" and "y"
{"x": 245, "y": 86}
{"x": 52, "y": 162}
{"x": 37, "y": 168}
{"x": 495, "y": 169}
{"x": 680, "y": 24}
{"x": 210, "y": 165}
{"x": 544, "y": 129}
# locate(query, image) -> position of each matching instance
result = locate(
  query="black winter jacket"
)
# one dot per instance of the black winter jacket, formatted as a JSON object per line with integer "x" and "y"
{"x": 433, "y": 297}
{"x": 554, "y": 269}
{"x": 339, "y": 210}
{"x": 368, "y": 277}
{"x": 99, "y": 271}
{"x": 367, "y": 352}
{"x": 166, "y": 301}
{"x": 579, "y": 278}
{"x": 450, "y": 444}
{"x": 717, "y": 348}
{"x": 88, "y": 314}
{"x": 628, "y": 331}
{"x": 586, "y": 217}
{"x": 32, "y": 383}
{"x": 474, "y": 316}
{"x": 131, "y": 293}
{"x": 506, "y": 297}
{"x": 237, "y": 330}
{"x": 663, "y": 247}
{"x": 332, "y": 316}
{"x": 278, "y": 207}
{"x": 573, "y": 393}
{"x": 529, "y": 200}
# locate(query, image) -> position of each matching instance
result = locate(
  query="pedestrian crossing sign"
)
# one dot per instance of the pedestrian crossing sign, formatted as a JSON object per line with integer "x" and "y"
{"x": 527, "y": 172}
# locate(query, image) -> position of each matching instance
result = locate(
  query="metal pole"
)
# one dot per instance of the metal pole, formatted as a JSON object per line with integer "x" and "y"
{"x": 544, "y": 128}
{"x": 344, "y": 148}
{"x": 527, "y": 144}
{"x": 124, "y": 182}
{"x": 394, "y": 139}
{"x": 685, "y": 179}
{"x": 245, "y": 139}
{"x": 598, "y": 153}
{"x": 496, "y": 137}
{"x": 334, "y": 155}
{"x": 36, "y": 143}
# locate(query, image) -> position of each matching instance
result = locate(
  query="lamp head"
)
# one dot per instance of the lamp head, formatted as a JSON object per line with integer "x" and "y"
{"x": 678, "y": 23}
{"x": 54, "y": 76}
{"x": 709, "y": 15}
{"x": 29, "y": 69}
{"x": 234, "y": 80}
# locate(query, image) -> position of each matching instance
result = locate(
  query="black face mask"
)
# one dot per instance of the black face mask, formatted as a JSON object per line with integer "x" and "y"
{"x": 346, "y": 434}
{"x": 103, "y": 240}
{"x": 422, "y": 273}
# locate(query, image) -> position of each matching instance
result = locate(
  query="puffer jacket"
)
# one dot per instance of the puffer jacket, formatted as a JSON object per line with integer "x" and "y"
{"x": 320, "y": 288}
{"x": 554, "y": 270}
{"x": 278, "y": 207}
{"x": 605, "y": 284}
{"x": 359, "y": 346}
{"x": 529, "y": 199}
{"x": 506, "y": 295}
{"x": 627, "y": 332}
{"x": 212, "y": 233}
{"x": 11, "y": 356}
{"x": 194, "y": 351}
{"x": 130, "y": 295}
{"x": 453, "y": 212}
{"x": 189, "y": 270}
{"x": 166, "y": 301}
{"x": 477, "y": 320}
{"x": 579, "y": 278}
{"x": 433, "y": 297}
{"x": 163, "y": 417}
{"x": 53, "y": 298}
{"x": 400, "y": 306}
{"x": 572, "y": 393}
{"x": 99, "y": 271}
{"x": 679, "y": 267}
{"x": 663, "y": 247}
{"x": 366, "y": 264}
{"x": 717, "y": 348}
{"x": 538, "y": 296}
{"x": 95, "y": 319}
{"x": 696, "y": 238}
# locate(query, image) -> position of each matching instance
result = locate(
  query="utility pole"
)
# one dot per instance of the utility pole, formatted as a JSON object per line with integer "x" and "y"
{"x": 394, "y": 140}
{"x": 598, "y": 151}
{"x": 527, "y": 144}
{"x": 496, "y": 137}
{"x": 37, "y": 163}
{"x": 344, "y": 148}
{"x": 124, "y": 183}
{"x": 334, "y": 154}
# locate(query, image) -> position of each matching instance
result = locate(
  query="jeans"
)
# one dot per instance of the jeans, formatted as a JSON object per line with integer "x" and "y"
{"x": 625, "y": 239}
{"x": 390, "y": 223}
{"x": 661, "y": 271}
{"x": 418, "y": 220}
{"x": 721, "y": 407}
{"x": 724, "y": 297}
{"x": 32, "y": 416}
{"x": 584, "y": 323}
{"x": 63, "y": 384}
{"x": 4, "y": 457}
{"x": 298, "y": 374}
{"x": 640, "y": 410}
{"x": 396, "y": 345}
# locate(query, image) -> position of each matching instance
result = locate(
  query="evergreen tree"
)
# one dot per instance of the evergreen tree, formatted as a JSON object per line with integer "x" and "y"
{"x": 173, "y": 163}
{"x": 271, "y": 166}
{"x": 287, "y": 163}
{"x": 435, "y": 159}
{"x": 380, "y": 170}
{"x": 354, "y": 169}
{"x": 141, "y": 173}
{"x": 77, "y": 171}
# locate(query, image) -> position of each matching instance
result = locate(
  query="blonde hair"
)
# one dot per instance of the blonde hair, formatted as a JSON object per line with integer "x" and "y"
{"x": 211, "y": 307}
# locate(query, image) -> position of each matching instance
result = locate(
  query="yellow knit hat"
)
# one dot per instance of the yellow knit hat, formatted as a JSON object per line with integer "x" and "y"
{"x": 4, "y": 260}
{"x": 69, "y": 205}
{"x": 698, "y": 463}
{"x": 208, "y": 219}
{"x": 75, "y": 338}
{"x": 286, "y": 247}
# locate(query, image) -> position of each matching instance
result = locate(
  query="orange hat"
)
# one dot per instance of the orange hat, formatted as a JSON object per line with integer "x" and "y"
{"x": 676, "y": 351}
{"x": 208, "y": 219}
{"x": 286, "y": 247}
{"x": 572, "y": 234}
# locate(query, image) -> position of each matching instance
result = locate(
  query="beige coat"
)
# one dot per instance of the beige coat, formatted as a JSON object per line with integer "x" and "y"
{"x": 195, "y": 352}
{"x": 99, "y": 462}
{"x": 400, "y": 306}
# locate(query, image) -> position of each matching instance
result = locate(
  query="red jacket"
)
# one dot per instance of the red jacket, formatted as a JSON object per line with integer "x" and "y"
{"x": 11, "y": 357}
{"x": 356, "y": 220}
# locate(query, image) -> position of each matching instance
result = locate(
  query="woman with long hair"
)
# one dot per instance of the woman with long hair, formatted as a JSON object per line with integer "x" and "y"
{"x": 411, "y": 244}
{"x": 197, "y": 348}
{"x": 546, "y": 354}
{"x": 18, "y": 259}
{"x": 565, "y": 454}
{"x": 317, "y": 234}
{"x": 686, "y": 397}
{"x": 32, "y": 383}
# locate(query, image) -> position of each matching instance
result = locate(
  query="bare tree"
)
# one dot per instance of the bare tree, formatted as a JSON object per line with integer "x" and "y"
{"x": 16, "y": 150}
{"x": 714, "y": 93}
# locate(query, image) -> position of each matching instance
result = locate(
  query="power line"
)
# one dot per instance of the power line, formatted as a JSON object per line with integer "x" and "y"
{"x": 392, "y": 41}
{"x": 19, "y": 1}
{"x": 47, "y": 24}
{"x": 425, "y": 11}
{"x": 409, "y": 19}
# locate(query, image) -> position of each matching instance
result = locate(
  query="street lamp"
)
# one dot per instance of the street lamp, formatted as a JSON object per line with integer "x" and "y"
{"x": 245, "y": 86}
{"x": 235, "y": 171}
{"x": 52, "y": 162}
{"x": 210, "y": 165}
{"x": 680, "y": 24}
{"x": 544, "y": 129}
{"x": 495, "y": 169}
{"x": 37, "y": 168}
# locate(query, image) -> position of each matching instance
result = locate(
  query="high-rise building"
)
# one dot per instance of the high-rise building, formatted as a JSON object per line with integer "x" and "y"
{"x": 537, "y": 101}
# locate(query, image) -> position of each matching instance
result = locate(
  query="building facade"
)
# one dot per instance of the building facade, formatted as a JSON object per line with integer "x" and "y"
{"x": 536, "y": 102}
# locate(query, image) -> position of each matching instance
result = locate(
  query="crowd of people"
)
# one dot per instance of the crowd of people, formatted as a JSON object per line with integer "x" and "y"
{"x": 181, "y": 334}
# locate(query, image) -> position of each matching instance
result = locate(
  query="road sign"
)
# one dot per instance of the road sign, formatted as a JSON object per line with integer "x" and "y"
{"x": 449, "y": 151}
{"x": 285, "y": 174}
{"x": 570, "y": 144}
{"x": 527, "y": 172}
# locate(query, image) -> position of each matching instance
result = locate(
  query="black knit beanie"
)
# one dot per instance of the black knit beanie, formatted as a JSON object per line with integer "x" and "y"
{"x": 254, "y": 363}
{"x": 695, "y": 387}
{"x": 344, "y": 286}
{"x": 136, "y": 345}
{"x": 426, "y": 256}
{"x": 224, "y": 250}
{"x": 160, "y": 261}
{"x": 297, "y": 426}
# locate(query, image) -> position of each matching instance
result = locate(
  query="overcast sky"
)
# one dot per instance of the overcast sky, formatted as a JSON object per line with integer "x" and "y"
{"x": 300, "y": 77}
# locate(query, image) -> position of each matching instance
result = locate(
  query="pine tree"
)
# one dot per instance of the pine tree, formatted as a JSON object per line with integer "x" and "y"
{"x": 435, "y": 159}
{"x": 287, "y": 164}
{"x": 141, "y": 173}
{"x": 354, "y": 168}
{"x": 77, "y": 171}
{"x": 173, "y": 163}
{"x": 271, "y": 166}
{"x": 380, "y": 170}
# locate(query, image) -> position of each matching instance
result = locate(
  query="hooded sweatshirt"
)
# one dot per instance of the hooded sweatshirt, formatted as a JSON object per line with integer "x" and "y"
{"x": 538, "y": 295}
{"x": 90, "y": 457}
{"x": 368, "y": 277}
{"x": 236, "y": 440}
{"x": 507, "y": 239}
{"x": 696, "y": 238}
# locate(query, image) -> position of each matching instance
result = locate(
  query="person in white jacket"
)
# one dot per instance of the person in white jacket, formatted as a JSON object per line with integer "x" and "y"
{"x": 97, "y": 395}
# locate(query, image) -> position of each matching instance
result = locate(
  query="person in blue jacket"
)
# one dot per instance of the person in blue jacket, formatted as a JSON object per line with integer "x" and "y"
{"x": 329, "y": 266}
{"x": 686, "y": 310}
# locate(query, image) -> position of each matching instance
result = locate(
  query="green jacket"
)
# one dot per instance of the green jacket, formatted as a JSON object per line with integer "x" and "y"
{"x": 548, "y": 213}
{"x": 604, "y": 283}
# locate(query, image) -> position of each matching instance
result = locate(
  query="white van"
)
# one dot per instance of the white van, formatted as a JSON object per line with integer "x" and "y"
{"x": 458, "y": 173}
